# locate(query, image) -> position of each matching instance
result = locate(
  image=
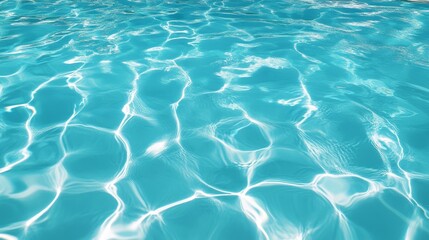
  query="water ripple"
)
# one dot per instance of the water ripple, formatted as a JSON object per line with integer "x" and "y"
{"x": 214, "y": 119}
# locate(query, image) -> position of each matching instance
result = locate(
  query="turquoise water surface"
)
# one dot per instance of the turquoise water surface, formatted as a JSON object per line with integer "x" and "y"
{"x": 232, "y": 119}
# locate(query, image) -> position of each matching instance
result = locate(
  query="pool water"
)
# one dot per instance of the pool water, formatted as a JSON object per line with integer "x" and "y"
{"x": 233, "y": 119}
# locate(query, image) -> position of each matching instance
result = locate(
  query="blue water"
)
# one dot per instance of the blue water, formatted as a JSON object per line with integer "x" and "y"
{"x": 209, "y": 119}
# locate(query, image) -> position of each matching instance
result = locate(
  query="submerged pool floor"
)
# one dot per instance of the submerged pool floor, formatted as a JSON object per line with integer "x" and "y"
{"x": 223, "y": 120}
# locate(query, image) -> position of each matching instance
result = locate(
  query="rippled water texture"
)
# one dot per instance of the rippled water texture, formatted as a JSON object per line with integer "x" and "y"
{"x": 214, "y": 119}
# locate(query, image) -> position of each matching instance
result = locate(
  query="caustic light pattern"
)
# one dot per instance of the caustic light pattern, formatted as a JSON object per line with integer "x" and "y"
{"x": 232, "y": 119}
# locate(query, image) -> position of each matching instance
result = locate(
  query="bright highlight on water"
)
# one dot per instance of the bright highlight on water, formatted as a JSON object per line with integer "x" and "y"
{"x": 233, "y": 119}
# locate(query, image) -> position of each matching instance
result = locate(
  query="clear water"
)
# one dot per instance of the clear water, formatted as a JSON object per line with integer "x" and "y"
{"x": 214, "y": 119}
